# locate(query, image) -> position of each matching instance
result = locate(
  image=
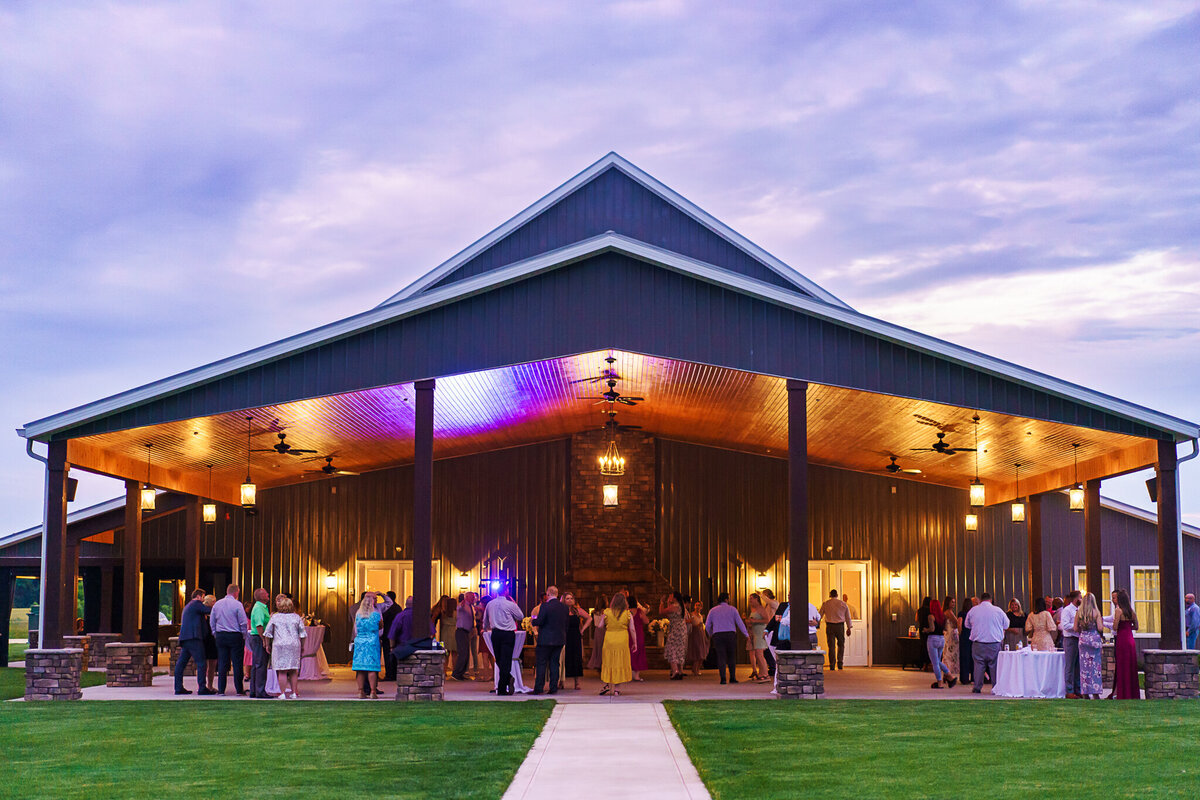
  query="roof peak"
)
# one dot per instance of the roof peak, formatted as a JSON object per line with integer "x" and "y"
{"x": 770, "y": 265}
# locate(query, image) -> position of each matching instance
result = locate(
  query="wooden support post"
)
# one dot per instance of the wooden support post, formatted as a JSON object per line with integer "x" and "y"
{"x": 191, "y": 546}
{"x": 1170, "y": 578}
{"x": 798, "y": 534}
{"x": 423, "y": 504}
{"x": 71, "y": 590}
{"x": 131, "y": 547}
{"x": 54, "y": 547}
{"x": 8, "y": 583}
{"x": 1092, "y": 558}
{"x": 106, "y": 599}
{"x": 1034, "y": 520}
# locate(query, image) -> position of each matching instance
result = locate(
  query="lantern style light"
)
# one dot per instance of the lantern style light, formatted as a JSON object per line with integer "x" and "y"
{"x": 249, "y": 491}
{"x": 760, "y": 581}
{"x": 209, "y": 509}
{"x": 897, "y": 582}
{"x": 977, "y": 494}
{"x": 972, "y": 522}
{"x": 331, "y": 581}
{"x": 1075, "y": 493}
{"x": 610, "y": 494}
{"x": 1018, "y": 506}
{"x": 147, "y": 489}
{"x": 612, "y": 462}
{"x": 464, "y": 581}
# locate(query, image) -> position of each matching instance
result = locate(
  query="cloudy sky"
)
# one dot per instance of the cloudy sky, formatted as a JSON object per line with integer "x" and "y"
{"x": 182, "y": 181}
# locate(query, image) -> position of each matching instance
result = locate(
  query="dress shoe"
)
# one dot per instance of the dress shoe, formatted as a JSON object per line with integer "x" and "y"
{"x": 537, "y": 691}
{"x": 552, "y": 691}
{"x": 976, "y": 691}
{"x": 206, "y": 692}
{"x": 723, "y": 681}
{"x": 183, "y": 691}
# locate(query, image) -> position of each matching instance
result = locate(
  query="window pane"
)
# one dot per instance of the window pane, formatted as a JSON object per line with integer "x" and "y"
{"x": 1146, "y": 602}
{"x": 1105, "y": 597}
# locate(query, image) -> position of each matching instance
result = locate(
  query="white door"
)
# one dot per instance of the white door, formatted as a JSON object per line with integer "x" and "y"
{"x": 850, "y": 580}
{"x": 396, "y": 576}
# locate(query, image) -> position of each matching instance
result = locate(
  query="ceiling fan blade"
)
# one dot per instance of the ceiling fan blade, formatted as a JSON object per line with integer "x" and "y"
{"x": 924, "y": 449}
{"x": 964, "y": 449}
{"x": 637, "y": 399}
{"x": 345, "y": 472}
{"x": 911, "y": 471}
{"x": 591, "y": 398}
{"x": 628, "y": 401}
{"x": 589, "y": 380}
{"x": 296, "y": 451}
{"x": 268, "y": 450}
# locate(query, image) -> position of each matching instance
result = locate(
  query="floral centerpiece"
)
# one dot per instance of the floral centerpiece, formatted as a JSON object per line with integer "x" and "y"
{"x": 659, "y": 628}
{"x": 527, "y": 626}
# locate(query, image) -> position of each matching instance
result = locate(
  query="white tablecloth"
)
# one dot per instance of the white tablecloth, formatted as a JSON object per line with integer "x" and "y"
{"x": 518, "y": 683}
{"x": 1030, "y": 673}
{"x": 313, "y": 665}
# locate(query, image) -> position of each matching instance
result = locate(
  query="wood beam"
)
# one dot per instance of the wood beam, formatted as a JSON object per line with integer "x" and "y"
{"x": 1092, "y": 556}
{"x": 54, "y": 546}
{"x": 422, "y": 505}
{"x": 89, "y": 457}
{"x": 799, "y": 540}
{"x": 1170, "y": 543}
{"x": 1034, "y": 521}
{"x": 131, "y": 550}
{"x": 1108, "y": 465}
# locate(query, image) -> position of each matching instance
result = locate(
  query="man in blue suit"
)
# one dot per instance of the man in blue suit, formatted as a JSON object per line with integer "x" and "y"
{"x": 551, "y": 623}
{"x": 191, "y": 644}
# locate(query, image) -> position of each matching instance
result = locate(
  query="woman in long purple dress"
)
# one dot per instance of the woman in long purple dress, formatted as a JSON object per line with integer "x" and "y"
{"x": 1125, "y": 674}
{"x": 596, "y": 660}
{"x": 637, "y": 658}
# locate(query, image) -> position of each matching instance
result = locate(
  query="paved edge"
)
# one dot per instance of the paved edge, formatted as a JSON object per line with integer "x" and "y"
{"x": 688, "y": 773}
{"x": 533, "y": 760}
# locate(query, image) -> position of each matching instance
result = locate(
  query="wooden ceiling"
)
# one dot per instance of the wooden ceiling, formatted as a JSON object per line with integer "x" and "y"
{"x": 517, "y": 405}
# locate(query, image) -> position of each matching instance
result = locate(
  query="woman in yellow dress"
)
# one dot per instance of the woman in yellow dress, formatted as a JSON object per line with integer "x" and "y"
{"x": 615, "y": 666}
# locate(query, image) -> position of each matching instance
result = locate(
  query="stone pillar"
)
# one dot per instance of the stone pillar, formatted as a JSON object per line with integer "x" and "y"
{"x": 53, "y": 674}
{"x": 800, "y": 674}
{"x": 173, "y": 649}
{"x": 81, "y": 643}
{"x": 1108, "y": 664}
{"x": 1172, "y": 673}
{"x": 130, "y": 663}
{"x": 98, "y": 656}
{"x": 421, "y": 676}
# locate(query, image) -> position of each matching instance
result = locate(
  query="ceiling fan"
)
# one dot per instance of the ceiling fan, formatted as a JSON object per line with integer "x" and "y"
{"x": 284, "y": 449}
{"x": 608, "y": 373}
{"x": 940, "y": 446}
{"x": 933, "y": 423}
{"x": 328, "y": 469}
{"x": 612, "y": 426}
{"x": 895, "y": 468}
{"x": 613, "y": 396}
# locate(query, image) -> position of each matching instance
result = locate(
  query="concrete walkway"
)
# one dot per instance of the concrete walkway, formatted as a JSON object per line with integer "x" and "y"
{"x": 630, "y": 751}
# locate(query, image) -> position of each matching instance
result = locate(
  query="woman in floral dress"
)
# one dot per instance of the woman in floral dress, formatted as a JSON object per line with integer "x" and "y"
{"x": 697, "y": 646}
{"x": 675, "y": 650}
{"x": 950, "y": 653}
{"x": 281, "y": 638}
{"x": 1090, "y": 625}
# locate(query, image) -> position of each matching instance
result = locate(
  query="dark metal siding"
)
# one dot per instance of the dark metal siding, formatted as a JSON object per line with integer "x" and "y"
{"x": 612, "y": 201}
{"x": 661, "y": 313}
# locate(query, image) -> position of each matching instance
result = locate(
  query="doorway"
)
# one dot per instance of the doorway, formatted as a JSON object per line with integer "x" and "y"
{"x": 850, "y": 580}
{"x": 395, "y": 576}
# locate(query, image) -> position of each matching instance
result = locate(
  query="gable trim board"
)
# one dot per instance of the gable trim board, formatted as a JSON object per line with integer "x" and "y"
{"x": 45, "y": 428}
{"x": 614, "y": 161}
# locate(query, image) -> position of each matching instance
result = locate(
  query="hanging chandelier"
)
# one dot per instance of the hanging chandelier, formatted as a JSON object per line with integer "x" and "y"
{"x": 210, "y": 508}
{"x": 1018, "y": 507}
{"x": 248, "y": 488}
{"x": 612, "y": 462}
{"x": 1076, "y": 491}
{"x": 147, "y": 489}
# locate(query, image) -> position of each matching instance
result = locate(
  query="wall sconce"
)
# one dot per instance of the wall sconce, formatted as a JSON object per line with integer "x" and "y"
{"x": 210, "y": 512}
{"x": 331, "y": 581}
{"x": 897, "y": 582}
{"x": 610, "y": 494}
{"x": 464, "y": 582}
{"x": 760, "y": 582}
{"x": 972, "y": 522}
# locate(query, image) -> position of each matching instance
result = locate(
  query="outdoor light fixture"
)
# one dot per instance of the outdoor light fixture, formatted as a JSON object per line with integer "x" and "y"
{"x": 610, "y": 494}
{"x": 147, "y": 489}
{"x": 976, "y": 485}
{"x": 464, "y": 581}
{"x": 972, "y": 522}
{"x": 1076, "y": 491}
{"x": 496, "y": 584}
{"x": 897, "y": 582}
{"x": 249, "y": 491}
{"x": 331, "y": 581}
{"x": 1018, "y": 508}
{"x": 760, "y": 582}
{"x": 612, "y": 462}
{"x": 209, "y": 510}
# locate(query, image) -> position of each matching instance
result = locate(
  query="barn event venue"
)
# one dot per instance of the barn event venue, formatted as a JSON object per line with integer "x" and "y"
{"x": 611, "y": 390}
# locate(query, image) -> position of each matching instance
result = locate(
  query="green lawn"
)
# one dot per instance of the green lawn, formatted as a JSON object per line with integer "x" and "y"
{"x": 265, "y": 749}
{"x": 16, "y": 651}
{"x": 12, "y": 682}
{"x": 863, "y": 749}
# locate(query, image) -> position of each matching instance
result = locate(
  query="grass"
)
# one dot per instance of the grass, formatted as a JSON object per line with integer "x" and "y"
{"x": 16, "y": 651}
{"x": 263, "y": 750}
{"x": 870, "y": 748}
{"x": 12, "y": 682}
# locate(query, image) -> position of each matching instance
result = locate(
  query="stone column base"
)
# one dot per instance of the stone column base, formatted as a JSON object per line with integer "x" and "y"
{"x": 421, "y": 676}
{"x": 173, "y": 648}
{"x": 1108, "y": 664}
{"x": 130, "y": 663}
{"x": 1171, "y": 674}
{"x": 800, "y": 674}
{"x": 53, "y": 674}
{"x": 80, "y": 642}
{"x": 97, "y": 658}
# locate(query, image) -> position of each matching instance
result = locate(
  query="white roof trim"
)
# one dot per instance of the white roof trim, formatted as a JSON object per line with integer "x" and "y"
{"x": 72, "y": 517}
{"x": 1143, "y": 514}
{"x": 575, "y": 252}
{"x": 674, "y": 198}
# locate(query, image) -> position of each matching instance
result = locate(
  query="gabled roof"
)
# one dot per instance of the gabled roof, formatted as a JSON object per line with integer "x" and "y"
{"x": 488, "y": 282}
{"x": 462, "y": 264}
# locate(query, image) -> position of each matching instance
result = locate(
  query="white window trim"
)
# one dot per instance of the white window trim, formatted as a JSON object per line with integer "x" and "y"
{"x": 1133, "y": 602}
{"x": 1112, "y": 580}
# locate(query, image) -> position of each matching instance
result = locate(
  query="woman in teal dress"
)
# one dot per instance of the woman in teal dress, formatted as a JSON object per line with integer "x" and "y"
{"x": 367, "y": 624}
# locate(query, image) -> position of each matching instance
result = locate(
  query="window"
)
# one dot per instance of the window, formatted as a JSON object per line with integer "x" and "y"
{"x": 1146, "y": 602}
{"x": 1106, "y": 583}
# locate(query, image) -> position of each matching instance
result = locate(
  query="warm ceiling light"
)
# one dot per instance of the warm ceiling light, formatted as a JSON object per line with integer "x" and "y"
{"x": 209, "y": 510}
{"x": 612, "y": 462}
{"x": 760, "y": 581}
{"x": 610, "y": 494}
{"x": 464, "y": 581}
{"x": 1076, "y": 491}
{"x": 897, "y": 582}
{"x": 147, "y": 489}
{"x": 1018, "y": 507}
{"x": 972, "y": 522}
{"x": 331, "y": 581}
{"x": 249, "y": 491}
{"x": 977, "y": 499}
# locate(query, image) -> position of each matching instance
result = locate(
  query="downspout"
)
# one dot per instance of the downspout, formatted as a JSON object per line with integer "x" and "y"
{"x": 42, "y": 574}
{"x": 1178, "y": 499}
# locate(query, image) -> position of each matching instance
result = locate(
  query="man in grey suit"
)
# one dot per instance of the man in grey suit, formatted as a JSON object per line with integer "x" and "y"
{"x": 551, "y": 624}
{"x": 191, "y": 644}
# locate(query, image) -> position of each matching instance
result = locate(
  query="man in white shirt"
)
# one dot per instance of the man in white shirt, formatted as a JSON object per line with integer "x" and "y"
{"x": 987, "y": 624}
{"x": 837, "y": 627}
{"x": 502, "y": 617}
{"x": 1070, "y": 641}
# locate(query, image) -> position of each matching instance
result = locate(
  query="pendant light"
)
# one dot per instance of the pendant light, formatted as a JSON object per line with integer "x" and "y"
{"x": 1018, "y": 507}
{"x": 248, "y": 488}
{"x": 1076, "y": 491}
{"x": 147, "y": 489}
{"x": 612, "y": 462}
{"x": 210, "y": 508}
{"x": 977, "y": 495}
